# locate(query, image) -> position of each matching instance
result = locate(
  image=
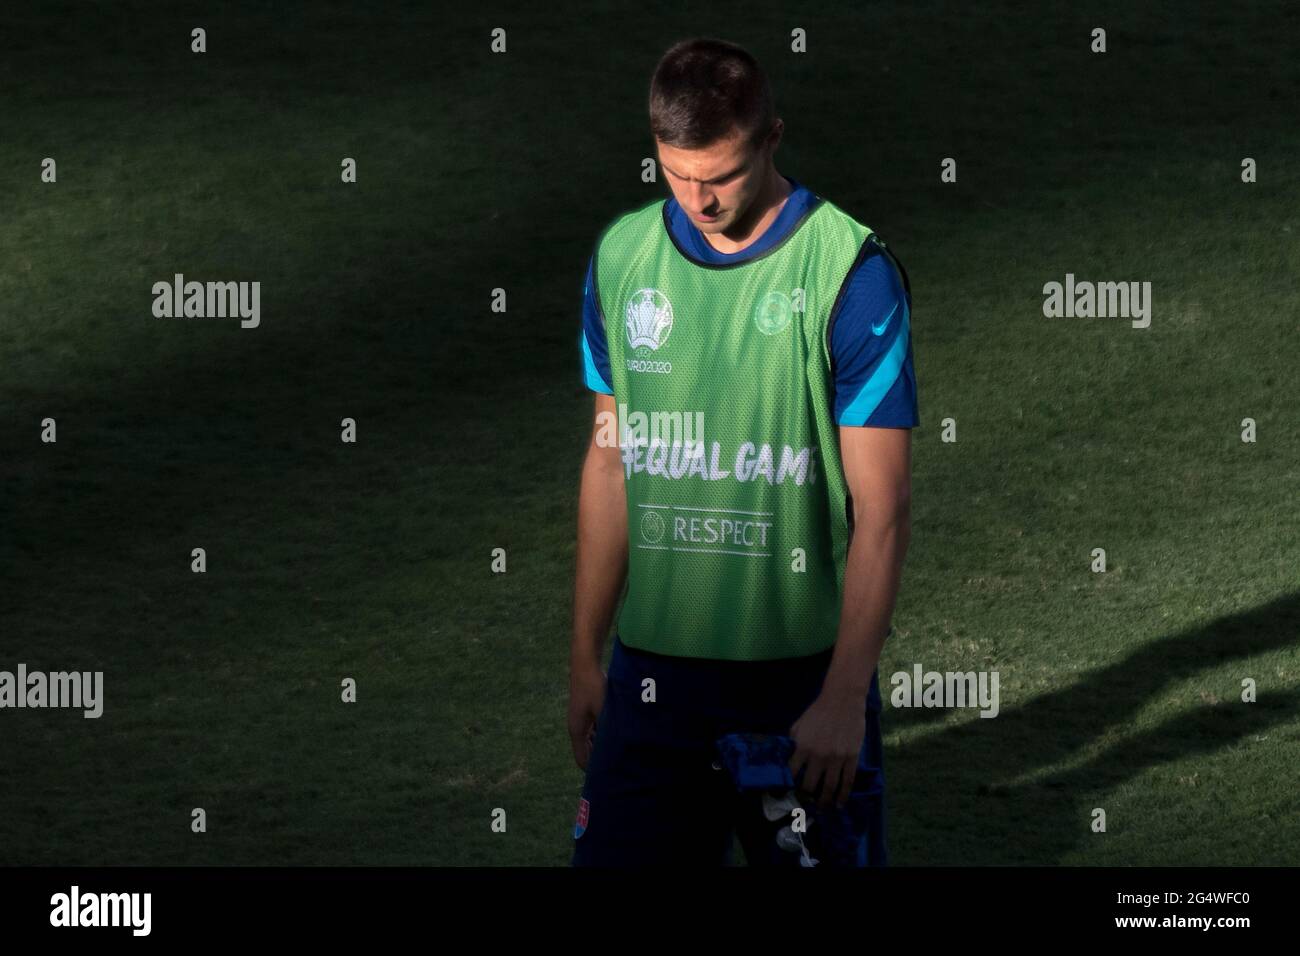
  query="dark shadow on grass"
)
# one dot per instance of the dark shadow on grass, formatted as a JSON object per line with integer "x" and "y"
{"x": 963, "y": 780}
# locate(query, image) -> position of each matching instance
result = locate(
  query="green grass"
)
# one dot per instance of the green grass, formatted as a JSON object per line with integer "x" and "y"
{"x": 371, "y": 560}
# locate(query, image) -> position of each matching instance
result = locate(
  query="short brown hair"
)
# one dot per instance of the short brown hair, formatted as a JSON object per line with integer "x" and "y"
{"x": 704, "y": 89}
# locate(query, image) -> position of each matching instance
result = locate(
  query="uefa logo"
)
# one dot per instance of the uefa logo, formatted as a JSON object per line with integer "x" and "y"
{"x": 652, "y": 527}
{"x": 649, "y": 319}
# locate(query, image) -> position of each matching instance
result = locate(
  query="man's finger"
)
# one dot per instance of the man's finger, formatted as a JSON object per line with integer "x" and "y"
{"x": 581, "y": 743}
{"x": 813, "y": 773}
{"x": 848, "y": 773}
{"x": 826, "y": 798}
{"x": 798, "y": 760}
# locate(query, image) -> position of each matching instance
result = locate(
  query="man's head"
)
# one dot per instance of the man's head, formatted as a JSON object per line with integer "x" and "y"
{"x": 715, "y": 127}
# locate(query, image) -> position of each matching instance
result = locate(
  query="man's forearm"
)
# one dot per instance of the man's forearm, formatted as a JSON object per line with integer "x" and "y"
{"x": 872, "y": 573}
{"x": 601, "y": 559}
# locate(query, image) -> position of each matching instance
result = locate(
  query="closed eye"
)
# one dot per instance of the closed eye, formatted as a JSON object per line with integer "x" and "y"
{"x": 716, "y": 181}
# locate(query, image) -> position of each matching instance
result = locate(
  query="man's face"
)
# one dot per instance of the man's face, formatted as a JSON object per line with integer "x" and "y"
{"x": 717, "y": 184}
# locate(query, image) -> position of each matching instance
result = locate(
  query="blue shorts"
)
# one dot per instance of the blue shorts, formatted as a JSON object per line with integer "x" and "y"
{"x": 655, "y": 792}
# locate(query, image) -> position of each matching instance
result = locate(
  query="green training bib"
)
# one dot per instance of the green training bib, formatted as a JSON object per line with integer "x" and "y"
{"x": 737, "y": 526}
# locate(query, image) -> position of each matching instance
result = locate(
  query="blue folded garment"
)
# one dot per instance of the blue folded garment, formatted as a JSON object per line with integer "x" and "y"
{"x": 757, "y": 761}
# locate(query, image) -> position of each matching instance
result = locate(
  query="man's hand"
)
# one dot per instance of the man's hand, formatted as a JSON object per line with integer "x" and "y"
{"x": 586, "y": 697}
{"x": 828, "y": 739}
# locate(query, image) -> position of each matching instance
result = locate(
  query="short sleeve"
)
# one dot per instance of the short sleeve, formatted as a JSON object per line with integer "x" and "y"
{"x": 595, "y": 347}
{"x": 871, "y": 349}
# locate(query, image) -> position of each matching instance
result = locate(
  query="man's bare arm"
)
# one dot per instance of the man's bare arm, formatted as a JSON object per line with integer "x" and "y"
{"x": 829, "y": 734}
{"x": 601, "y": 570}
{"x": 878, "y": 469}
{"x": 602, "y": 540}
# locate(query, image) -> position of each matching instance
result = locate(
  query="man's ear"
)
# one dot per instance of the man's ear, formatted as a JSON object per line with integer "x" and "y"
{"x": 774, "y": 138}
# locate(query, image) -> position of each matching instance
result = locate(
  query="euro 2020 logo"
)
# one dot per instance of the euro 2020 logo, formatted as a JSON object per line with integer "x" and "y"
{"x": 649, "y": 320}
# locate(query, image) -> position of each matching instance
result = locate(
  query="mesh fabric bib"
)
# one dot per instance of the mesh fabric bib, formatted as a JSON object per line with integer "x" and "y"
{"x": 737, "y": 526}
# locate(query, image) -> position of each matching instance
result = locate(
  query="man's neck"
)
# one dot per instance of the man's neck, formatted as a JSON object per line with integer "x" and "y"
{"x": 756, "y": 221}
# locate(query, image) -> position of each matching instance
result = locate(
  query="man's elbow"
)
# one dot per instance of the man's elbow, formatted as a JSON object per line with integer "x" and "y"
{"x": 892, "y": 521}
{"x": 606, "y": 462}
